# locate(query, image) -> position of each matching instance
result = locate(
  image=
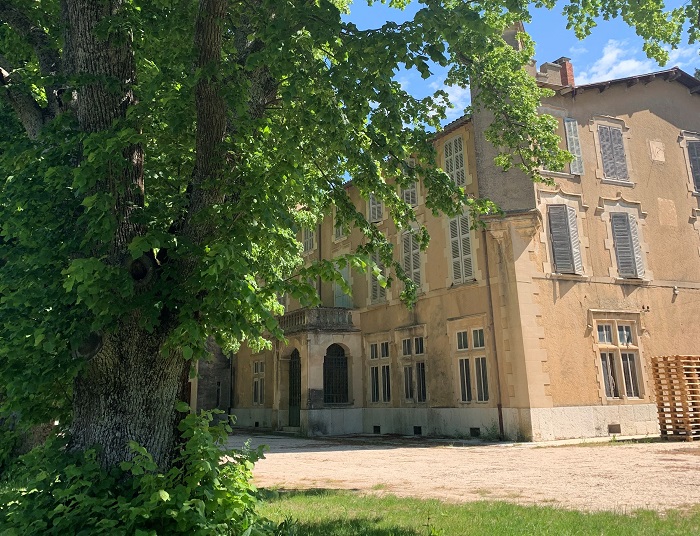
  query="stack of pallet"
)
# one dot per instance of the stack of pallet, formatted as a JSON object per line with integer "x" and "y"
{"x": 677, "y": 385}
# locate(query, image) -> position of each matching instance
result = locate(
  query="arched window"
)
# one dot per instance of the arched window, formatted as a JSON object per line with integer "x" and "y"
{"x": 335, "y": 376}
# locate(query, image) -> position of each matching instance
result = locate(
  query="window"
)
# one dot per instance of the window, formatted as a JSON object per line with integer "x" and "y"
{"x": 411, "y": 257}
{"x": 462, "y": 340}
{"x": 478, "y": 338}
{"x": 374, "y": 383}
{"x": 418, "y": 345}
{"x": 373, "y": 351}
{"x": 385, "y": 349}
{"x": 406, "y": 346}
{"x": 378, "y": 292}
{"x": 612, "y": 152}
{"x": 461, "y": 249}
{"x": 420, "y": 380}
{"x": 408, "y": 383}
{"x": 694, "y": 159}
{"x": 258, "y": 383}
{"x": 409, "y": 194}
{"x": 386, "y": 384}
{"x": 340, "y": 299}
{"x": 375, "y": 209}
{"x": 482, "y": 380}
{"x": 619, "y": 359}
{"x": 605, "y": 333}
{"x": 335, "y": 375}
{"x": 563, "y": 233}
{"x": 573, "y": 145}
{"x": 339, "y": 232}
{"x": 465, "y": 380}
{"x": 628, "y": 250}
{"x": 454, "y": 160}
{"x": 308, "y": 239}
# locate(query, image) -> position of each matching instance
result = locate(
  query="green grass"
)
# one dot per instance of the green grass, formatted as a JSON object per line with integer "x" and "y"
{"x": 342, "y": 513}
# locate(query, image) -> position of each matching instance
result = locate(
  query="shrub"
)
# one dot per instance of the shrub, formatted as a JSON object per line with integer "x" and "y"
{"x": 206, "y": 492}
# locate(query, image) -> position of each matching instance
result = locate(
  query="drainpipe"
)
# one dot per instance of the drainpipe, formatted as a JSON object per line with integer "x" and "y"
{"x": 499, "y": 403}
{"x": 320, "y": 258}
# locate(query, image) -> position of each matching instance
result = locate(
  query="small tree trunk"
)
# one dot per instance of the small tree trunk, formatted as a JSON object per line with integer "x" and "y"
{"x": 128, "y": 392}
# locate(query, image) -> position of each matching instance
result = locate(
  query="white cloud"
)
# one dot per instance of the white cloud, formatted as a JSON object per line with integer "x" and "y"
{"x": 459, "y": 97}
{"x": 617, "y": 61}
{"x": 577, "y": 51}
{"x": 685, "y": 57}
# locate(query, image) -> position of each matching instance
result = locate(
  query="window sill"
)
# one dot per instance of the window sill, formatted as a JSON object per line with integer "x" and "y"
{"x": 628, "y": 184}
{"x": 569, "y": 277}
{"x": 696, "y": 194}
{"x": 560, "y": 174}
{"x": 632, "y": 281}
{"x": 468, "y": 283}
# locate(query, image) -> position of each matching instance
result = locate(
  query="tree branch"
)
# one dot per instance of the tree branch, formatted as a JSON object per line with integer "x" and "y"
{"x": 22, "y": 102}
{"x": 46, "y": 51}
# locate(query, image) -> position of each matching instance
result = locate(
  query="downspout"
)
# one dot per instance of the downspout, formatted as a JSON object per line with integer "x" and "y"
{"x": 499, "y": 400}
{"x": 320, "y": 258}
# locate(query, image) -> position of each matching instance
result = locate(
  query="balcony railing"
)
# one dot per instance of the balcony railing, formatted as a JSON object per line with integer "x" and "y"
{"x": 317, "y": 318}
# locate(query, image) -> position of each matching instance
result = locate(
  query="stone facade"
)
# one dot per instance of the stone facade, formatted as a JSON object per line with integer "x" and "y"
{"x": 534, "y": 327}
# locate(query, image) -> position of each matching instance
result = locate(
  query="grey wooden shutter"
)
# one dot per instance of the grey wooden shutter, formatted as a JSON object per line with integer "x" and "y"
{"x": 459, "y": 161}
{"x": 574, "y": 145}
{"x": 455, "y": 250}
{"x": 375, "y": 209}
{"x": 694, "y": 157}
{"x": 559, "y": 232}
{"x": 466, "y": 243}
{"x": 340, "y": 299}
{"x": 627, "y": 245}
{"x": 411, "y": 258}
{"x": 410, "y": 195}
{"x": 378, "y": 291}
{"x": 606, "y": 151}
{"x": 619, "y": 154}
{"x": 575, "y": 242}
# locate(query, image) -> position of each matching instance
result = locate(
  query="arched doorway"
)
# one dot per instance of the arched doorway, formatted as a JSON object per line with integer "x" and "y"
{"x": 335, "y": 376}
{"x": 295, "y": 389}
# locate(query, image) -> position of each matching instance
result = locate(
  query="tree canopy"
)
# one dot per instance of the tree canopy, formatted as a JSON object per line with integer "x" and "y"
{"x": 159, "y": 158}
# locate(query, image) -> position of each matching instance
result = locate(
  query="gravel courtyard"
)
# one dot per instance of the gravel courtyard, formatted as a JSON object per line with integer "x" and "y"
{"x": 620, "y": 477}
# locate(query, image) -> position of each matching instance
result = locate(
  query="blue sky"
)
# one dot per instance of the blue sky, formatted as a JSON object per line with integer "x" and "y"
{"x": 612, "y": 51}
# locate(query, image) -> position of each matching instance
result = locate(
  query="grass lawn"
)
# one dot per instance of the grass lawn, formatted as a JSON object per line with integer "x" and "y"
{"x": 342, "y": 513}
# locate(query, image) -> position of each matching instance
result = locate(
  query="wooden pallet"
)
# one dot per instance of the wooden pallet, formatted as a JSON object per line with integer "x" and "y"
{"x": 677, "y": 386}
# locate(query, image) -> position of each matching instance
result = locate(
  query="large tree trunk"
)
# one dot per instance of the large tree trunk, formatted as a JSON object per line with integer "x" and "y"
{"x": 128, "y": 392}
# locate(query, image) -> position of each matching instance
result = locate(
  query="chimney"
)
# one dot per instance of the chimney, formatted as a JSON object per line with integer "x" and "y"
{"x": 567, "y": 71}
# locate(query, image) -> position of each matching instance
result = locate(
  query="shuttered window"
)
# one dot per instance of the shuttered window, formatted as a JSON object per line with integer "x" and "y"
{"x": 340, "y": 299}
{"x": 378, "y": 292}
{"x": 628, "y": 250}
{"x": 411, "y": 258}
{"x": 461, "y": 250}
{"x": 308, "y": 236}
{"x": 612, "y": 151}
{"x": 375, "y": 209}
{"x": 694, "y": 157}
{"x": 410, "y": 194}
{"x": 574, "y": 145}
{"x": 563, "y": 233}
{"x": 454, "y": 160}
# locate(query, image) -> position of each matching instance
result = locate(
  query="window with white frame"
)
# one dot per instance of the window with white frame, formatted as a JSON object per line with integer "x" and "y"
{"x": 478, "y": 338}
{"x": 454, "y": 160}
{"x": 374, "y": 351}
{"x": 482, "y": 379}
{"x": 418, "y": 346}
{"x": 619, "y": 359}
{"x": 563, "y": 233}
{"x": 465, "y": 380}
{"x": 376, "y": 209}
{"x": 406, "y": 347}
{"x": 410, "y": 193}
{"x": 377, "y": 291}
{"x": 462, "y": 340}
{"x": 309, "y": 237}
{"x": 339, "y": 232}
{"x": 411, "y": 258}
{"x": 384, "y": 349}
{"x": 421, "y": 383}
{"x": 340, "y": 299}
{"x": 628, "y": 250}
{"x": 612, "y": 153}
{"x": 386, "y": 383}
{"x": 461, "y": 249}
{"x": 408, "y": 390}
{"x": 374, "y": 383}
{"x": 258, "y": 383}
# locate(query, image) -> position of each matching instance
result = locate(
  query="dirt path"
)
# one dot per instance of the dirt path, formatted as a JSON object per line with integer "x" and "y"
{"x": 619, "y": 477}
